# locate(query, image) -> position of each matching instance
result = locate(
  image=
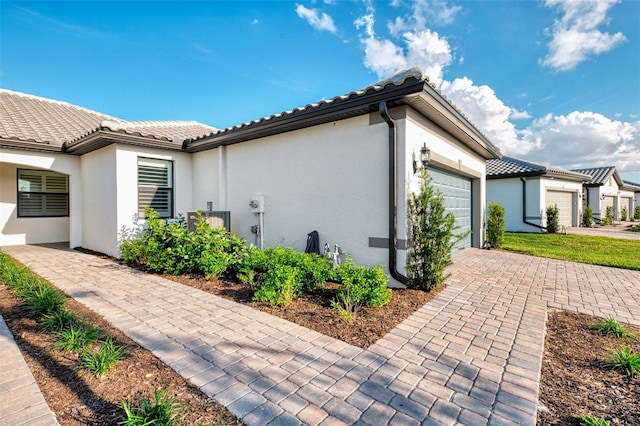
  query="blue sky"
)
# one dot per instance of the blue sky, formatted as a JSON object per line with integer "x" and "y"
{"x": 555, "y": 81}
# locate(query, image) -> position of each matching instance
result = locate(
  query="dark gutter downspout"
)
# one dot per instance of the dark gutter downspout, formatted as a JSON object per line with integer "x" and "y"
{"x": 524, "y": 205}
{"x": 393, "y": 199}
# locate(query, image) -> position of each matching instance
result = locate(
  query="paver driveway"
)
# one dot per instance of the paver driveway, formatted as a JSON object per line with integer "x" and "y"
{"x": 471, "y": 356}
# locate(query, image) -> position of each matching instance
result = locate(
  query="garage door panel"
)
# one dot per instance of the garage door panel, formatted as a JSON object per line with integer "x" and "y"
{"x": 564, "y": 201}
{"x": 456, "y": 192}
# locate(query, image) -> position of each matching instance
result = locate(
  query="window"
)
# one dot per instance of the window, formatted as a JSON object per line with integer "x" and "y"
{"x": 155, "y": 186}
{"x": 42, "y": 194}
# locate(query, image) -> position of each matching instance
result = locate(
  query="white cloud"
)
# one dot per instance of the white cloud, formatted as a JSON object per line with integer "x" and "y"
{"x": 576, "y": 36}
{"x": 424, "y": 12}
{"x": 488, "y": 113}
{"x": 255, "y": 21}
{"x": 518, "y": 115}
{"x": 318, "y": 20}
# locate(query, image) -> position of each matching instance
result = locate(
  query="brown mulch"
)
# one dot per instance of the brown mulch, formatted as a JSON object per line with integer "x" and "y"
{"x": 575, "y": 380}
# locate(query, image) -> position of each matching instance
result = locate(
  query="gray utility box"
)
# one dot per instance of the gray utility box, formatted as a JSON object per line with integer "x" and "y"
{"x": 215, "y": 219}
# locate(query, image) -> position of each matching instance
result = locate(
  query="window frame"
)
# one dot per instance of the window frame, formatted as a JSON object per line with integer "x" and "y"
{"x": 169, "y": 189}
{"x": 19, "y": 213}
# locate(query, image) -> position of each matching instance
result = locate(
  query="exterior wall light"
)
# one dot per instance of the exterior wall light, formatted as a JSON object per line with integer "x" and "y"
{"x": 425, "y": 158}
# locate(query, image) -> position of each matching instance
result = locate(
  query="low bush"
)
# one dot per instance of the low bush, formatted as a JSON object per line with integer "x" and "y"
{"x": 102, "y": 360}
{"x": 40, "y": 300}
{"x": 162, "y": 411}
{"x": 495, "y": 224}
{"x": 553, "y": 219}
{"x": 636, "y": 213}
{"x": 624, "y": 359}
{"x": 58, "y": 321}
{"x": 360, "y": 286}
{"x": 279, "y": 286}
{"x": 611, "y": 327}
{"x": 77, "y": 337}
{"x": 170, "y": 248}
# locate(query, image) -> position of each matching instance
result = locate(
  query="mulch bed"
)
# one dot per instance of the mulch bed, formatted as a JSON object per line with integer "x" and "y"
{"x": 575, "y": 380}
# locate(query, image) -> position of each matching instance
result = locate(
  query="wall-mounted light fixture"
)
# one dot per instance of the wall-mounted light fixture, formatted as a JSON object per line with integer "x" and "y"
{"x": 425, "y": 158}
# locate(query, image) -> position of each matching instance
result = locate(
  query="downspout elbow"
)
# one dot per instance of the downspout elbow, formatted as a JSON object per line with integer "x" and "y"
{"x": 393, "y": 198}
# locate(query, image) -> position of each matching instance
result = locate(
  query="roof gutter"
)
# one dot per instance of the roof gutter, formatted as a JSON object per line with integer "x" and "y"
{"x": 393, "y": 199}
{"x": 524, "y": 206}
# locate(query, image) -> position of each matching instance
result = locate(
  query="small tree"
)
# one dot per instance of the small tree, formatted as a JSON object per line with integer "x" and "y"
{"x": 636, "y": 213}
{"x": 609, "y": 216}
{"x": 495, "y": 224}
{"x": 623, "y": 213}
{"x": 553, "y": 219}
{"x": 432, "y": 233}
{"x": 587, "y": 217}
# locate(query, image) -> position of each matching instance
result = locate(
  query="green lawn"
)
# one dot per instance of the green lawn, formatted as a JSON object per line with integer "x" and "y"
{"x": 578, "y": 248}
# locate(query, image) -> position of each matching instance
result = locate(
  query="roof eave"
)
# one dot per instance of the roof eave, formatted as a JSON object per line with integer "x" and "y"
{"x": 29, "y": 145}
{"x": 102, "y": 138}
{"x": 515, "y": 175}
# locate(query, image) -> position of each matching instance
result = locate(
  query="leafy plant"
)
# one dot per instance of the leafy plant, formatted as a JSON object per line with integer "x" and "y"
{"x": 589, "y": 420}
{"x": 495, "y": 224}
{"x": 611, "y": 327}
{"x": 40, "y": 300}
{"x": 587, "y": 217}
{"x": 432, "y": 232}
{"x": 280, "y": 286}
{"x": 623, "y": 213}
{"x": 624, "y": 359}
{"x": 162, "y": 411}
{"x": 58, "y": 321}
{"x": 609, "y": 216}
{"x": 553, "y": 219}
{"x": 77, "y": 337}
{"x": 360, "y": 286}
{"x": 636, "y": 213}
{"x": 635, "y": 228}
{"x": 102, "y": 360}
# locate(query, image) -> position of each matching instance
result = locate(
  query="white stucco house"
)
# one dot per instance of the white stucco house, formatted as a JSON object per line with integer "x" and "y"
{"x": 343, "y": 167}
{"x": 606, "y": 188}
{"x": 636, "y": 189}
{"x": 526, "y": 189}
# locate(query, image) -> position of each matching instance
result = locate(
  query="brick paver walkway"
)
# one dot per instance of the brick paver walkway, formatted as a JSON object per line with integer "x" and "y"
{"x": 471, "y": 356}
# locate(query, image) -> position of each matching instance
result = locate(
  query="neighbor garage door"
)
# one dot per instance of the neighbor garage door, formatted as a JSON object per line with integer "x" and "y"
{"x": 564, "y": 201}
{"x": 456, "y": 191}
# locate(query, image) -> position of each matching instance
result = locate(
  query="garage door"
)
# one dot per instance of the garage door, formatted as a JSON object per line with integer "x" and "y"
{"x": 608, "y": 201}
{"x": 456, "y": 191}
{"x": 564, "y": 201}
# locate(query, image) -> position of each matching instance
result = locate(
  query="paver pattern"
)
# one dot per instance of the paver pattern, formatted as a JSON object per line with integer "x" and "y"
{"x": 21, "y": 402}
{"x": 470, "y": 356}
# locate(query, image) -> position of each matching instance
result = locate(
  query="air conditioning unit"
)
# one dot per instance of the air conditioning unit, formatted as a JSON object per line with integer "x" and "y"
{"x": 215, "y": 219}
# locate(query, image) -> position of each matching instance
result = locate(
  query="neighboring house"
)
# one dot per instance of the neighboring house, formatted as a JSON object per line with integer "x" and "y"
{"x": 635, "y": 187}
{"x": 607, "y": 188}
{"x": 328, "y": 167}
{"x": 526, "y": 189}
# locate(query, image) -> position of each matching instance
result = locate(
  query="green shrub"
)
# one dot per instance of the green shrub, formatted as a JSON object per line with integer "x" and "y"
{"x": 432, "y": 236}
{"x": 635, "y": 228}
{"x": 360, "y": 286}
{"x": 58, "y": 321}
{"x": 623, "y": 213}
{"x": 495, "y": 224}
{"x": 610, "y": 215}
{"x": 101, "y": 361}
{"x": 624, "y": 359}
{"x": 169, "y": 248}
{"x": 40, "y": 300}
{"x": 162, "y": 411}
{"x": 77, "y": 337}
{"x": 611, "y": 327}
{"x": 589, "y": 420}
{"x": 553, "y": 219}
{"x": 279, "y": 286}
{"x": 636, "y": 213}
{"x": 587, "y": 217}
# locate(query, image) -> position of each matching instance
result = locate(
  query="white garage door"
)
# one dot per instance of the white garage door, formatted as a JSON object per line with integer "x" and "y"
{"x": 564, "y": 201}
{"x": 456, "y": 191}
{"x": 608, "y": 201}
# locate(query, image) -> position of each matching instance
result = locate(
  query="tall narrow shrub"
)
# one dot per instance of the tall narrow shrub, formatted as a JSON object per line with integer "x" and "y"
{"x": 587, "y": 217}
{"x": 636, "y": 213}
{"x": 495, "y": 224}
{"x": 623, "y": 213}
{"x": 432, "y": 232}
{"x": 553, "y": 219}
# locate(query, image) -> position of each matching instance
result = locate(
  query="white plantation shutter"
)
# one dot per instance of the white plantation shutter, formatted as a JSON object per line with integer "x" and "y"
{"x": 42, "y": 193}
{"x": 155, "y": 186}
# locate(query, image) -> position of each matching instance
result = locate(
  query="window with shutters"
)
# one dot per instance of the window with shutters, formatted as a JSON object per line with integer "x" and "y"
{"x": 155, "y": 186}
{"x": 42, "y": 194}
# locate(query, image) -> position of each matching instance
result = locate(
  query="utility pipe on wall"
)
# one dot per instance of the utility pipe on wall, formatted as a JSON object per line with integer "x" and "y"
{"x": 524, "y": 205}
{"x": 393, "y": 198}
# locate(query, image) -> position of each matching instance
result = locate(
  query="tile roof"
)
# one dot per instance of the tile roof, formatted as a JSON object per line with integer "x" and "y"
{"x": 41, "y": 121}
{"x": 413, "y": 80}
{"x": 600, "y": 175}
{"x": 513, "y": 167}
